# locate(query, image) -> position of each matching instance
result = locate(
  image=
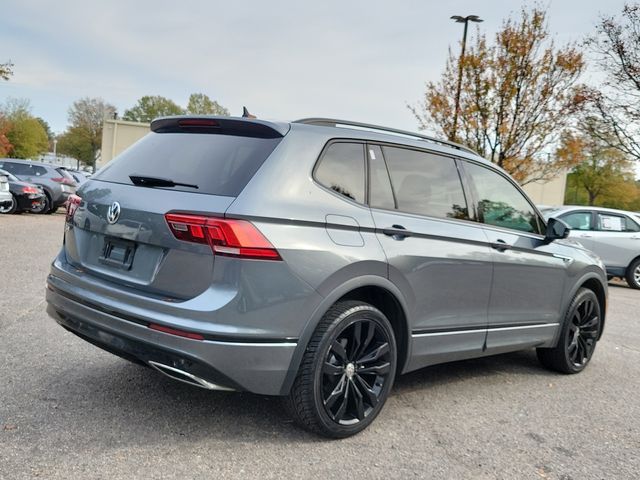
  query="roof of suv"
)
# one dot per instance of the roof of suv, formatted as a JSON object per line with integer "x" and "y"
{"x": 333, "y": 128}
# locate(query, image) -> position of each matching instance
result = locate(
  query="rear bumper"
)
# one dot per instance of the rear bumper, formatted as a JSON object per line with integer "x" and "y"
{"x": 258, "y": 367}
{"x": 28, "y": 201}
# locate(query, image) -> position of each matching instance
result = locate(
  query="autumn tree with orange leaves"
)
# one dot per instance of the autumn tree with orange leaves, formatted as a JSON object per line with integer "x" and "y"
{"x": 517, "y": 97}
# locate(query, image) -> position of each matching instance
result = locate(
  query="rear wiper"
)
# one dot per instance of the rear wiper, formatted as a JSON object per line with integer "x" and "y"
{"x": 144, "y": 181}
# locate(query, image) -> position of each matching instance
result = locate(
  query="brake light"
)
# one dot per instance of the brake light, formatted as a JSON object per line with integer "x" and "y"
{"x": 30, "y": 190}
{"x": 233, "y": 238}
{"x": 64, "y": 181}
{"x": 73, "y": 202}
{"x": 198, "y": 122}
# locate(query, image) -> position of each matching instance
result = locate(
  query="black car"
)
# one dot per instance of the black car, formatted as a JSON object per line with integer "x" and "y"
{"x": 26, "y": 197}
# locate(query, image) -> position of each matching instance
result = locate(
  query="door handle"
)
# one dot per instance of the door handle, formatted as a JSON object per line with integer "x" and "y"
{"x": 635, "y": 237}
{"x": 394, "y": 232}
{"x": 585, "y": 235}
{"x": 500, "y": 245}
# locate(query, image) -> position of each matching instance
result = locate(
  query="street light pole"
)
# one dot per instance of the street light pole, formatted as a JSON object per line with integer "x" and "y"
{"x": 465, "y": 20}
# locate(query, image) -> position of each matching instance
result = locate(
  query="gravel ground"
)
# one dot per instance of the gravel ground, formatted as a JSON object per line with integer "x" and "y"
{"x": 69, "y": 410}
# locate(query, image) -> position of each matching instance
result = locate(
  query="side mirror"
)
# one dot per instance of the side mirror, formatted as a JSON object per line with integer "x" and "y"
{"x": 556, "y": 230}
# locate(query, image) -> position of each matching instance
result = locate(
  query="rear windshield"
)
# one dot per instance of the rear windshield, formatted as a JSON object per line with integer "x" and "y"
{"x": 217, "y": 164}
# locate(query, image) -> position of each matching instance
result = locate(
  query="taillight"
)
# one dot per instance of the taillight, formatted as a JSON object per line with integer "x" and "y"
{"x": 233, "y": 238}
{"x": 73, "y": 202}
{"x": 64, "y": 181}
{"x": 30, "y": 190}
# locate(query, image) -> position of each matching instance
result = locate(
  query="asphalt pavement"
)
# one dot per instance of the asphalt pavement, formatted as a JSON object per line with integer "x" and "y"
{"x": 71, "y": 411}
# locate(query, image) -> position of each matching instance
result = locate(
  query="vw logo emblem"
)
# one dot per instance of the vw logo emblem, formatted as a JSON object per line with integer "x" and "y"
{"x": 113, "y": 214}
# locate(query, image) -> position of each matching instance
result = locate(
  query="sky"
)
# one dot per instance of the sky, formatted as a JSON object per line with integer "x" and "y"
{"x": 356, "y": 60}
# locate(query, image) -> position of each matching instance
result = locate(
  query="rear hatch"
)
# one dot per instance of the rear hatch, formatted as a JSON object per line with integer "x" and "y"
{"x": 118, "y": 229}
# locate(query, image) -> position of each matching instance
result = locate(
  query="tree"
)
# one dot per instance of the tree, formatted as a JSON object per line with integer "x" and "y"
{"x": 5, "y": 144}
{"x": 201, "y": 104}
{"x": 74, "y": 143}
{"x": 612, "y": 112}
{"x": 516, "y": 97}
{"x": 83, "y": 138}
{"x": 152, "y": 106}
{"x": 27, "y": 137}
{"x": 6, "y": 70}
{"x": 603, "y": 175}
{"x": 24, "y": 135}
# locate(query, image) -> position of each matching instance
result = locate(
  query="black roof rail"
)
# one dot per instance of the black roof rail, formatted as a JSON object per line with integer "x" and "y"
{"x": 333, "y": 122}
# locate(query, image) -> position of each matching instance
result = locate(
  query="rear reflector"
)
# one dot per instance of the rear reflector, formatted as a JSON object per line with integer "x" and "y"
{"x": 73, "y": 202}
{"x": 173, "y": 331}
{"x": 233, "y": 238}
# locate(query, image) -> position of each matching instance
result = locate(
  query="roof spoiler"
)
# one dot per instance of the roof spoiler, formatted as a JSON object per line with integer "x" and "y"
{"x": 242, "y": 127}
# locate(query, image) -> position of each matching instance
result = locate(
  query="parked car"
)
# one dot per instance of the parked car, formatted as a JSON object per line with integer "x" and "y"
{"x": 79, "y": 176}
{"x": 6, "y": 200}
{"x": 317, "y": 260}
{"x": 614, "y": 235}
{"x": 54, "y": 180}
{"x": 25, "y": 197}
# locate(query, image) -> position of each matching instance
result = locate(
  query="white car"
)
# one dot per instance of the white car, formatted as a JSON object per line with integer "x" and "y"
{"x": 614, "y": 235}
{"x": 6, "y": 200}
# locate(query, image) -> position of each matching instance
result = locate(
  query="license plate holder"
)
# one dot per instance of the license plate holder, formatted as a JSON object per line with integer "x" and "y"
{"x": 118, "y": 253}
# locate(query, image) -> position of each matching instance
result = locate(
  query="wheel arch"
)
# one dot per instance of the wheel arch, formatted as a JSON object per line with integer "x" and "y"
{"x": 596, "y": 283}
{"x": 373, "y": 289}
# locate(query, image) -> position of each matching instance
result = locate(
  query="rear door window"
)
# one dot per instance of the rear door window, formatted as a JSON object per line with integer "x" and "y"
{"x": 425, "y": 183}
{"x": 38, "y": 171}
{"x": 341, "y": 169}
{"x": 217, "y": 164}
{"x": 616, "y": 223}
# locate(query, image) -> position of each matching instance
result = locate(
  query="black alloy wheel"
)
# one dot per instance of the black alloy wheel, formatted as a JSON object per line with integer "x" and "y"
{"x": 355, "y": 370}
{"x": 583, "y": 332}
{"x": 347, "y": 371}
{"x": 579, "y": 335}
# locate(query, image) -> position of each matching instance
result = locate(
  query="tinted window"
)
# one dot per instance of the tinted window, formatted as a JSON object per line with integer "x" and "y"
{"x": 341, "y": 168}
{"x": 578, "y": 220}
{"x": 38, "y": 170}
{"x": 425, "y": 183}
{"x": 500, "y": 203}
{"x": 17, "y": 168}
{"x": 380, "y": 193}
{"x": 616, "y": 223}
{"x": 217, "y": 164}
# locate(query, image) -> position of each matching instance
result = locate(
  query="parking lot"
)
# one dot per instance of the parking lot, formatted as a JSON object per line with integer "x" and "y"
{"x": 70, "y": 410}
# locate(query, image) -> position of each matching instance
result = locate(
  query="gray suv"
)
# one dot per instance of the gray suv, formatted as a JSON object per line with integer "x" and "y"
{"x": 54, "y": 180}
{"x": 316, "y": 260}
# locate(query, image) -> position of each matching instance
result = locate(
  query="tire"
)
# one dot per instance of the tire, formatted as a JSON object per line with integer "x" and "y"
{"x": 13, "y": 208}
{"x": 343, "y": 407}
{"x": 633, "y": 274}
{"x": 39, "y": 209}
{"x": 578, "y": 337}
{"x": 47, "y": 204}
